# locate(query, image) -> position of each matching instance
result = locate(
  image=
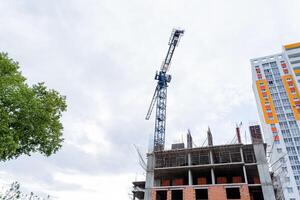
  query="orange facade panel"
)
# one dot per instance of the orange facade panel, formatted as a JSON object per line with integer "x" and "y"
{"x": 237, "y": 179}
{"x": 165, "y": 182}
{"x": 276, "y": 138}
{"x": 274, "y": 130}
{"x": 201, "y": 181}
{"x": 270, "y": 117}
{"x": 221, "y": 180}
{"x": 293, "y": 94}
{"x": 178, "y": 181}
{"x": 256, "y": 180}
{"x": 292, "y": 46}
{"x": 293, "y": 89}
{"x": 297, "y": 71}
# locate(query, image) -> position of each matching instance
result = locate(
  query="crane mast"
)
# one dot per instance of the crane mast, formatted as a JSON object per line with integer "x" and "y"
{"x": 160, "y": 93}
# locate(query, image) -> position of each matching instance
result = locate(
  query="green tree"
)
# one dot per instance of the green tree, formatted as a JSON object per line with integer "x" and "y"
{"x": 29, "y": 115}
{"x": 14, "y": 193}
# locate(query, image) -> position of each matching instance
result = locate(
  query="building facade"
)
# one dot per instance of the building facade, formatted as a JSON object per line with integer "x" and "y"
{"x": 213, "y": 172}
{"x": 276, "y": 79}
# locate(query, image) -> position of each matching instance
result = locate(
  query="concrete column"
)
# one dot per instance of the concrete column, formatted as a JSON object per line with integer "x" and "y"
{"x": 213, "y": 180}
{"x": 245, "y": 174}
{"x": 211, "y": 157}
{"x": 190, "y": 177}
{"x": 263, "y": 171}
{"x": 242, "y": 155}
{"x": 149, "y": 176}
{"x": 190, "y": 172}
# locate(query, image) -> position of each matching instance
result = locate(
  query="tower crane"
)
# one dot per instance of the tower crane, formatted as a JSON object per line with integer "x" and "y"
{"x": 160, "y": 93}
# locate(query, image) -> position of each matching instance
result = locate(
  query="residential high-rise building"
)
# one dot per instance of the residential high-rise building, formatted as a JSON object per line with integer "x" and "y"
{"x": 276, "y": 81}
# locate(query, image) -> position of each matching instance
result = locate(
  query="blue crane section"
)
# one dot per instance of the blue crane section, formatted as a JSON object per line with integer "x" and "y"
{"x": 160, "y": 93}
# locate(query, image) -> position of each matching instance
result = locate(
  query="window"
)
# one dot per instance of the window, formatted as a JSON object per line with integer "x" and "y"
{"x": 265, "y": 65}
{"x": 290, "y": 189}
{"x": 161, "y": 195}
{"x": 295, "y": 62}
{"x": 281, "y": 117}
{"x": 293, "y": 124}
{"x": 286, "y": 133}
{"x": 201, "y": 194}
{"x": 294, "y": 55}
{"x": 281, "y": 88}
{"x": 283, "y": 125}
{"x": 287, "y": 179}
{"x": 177, "y": 195}
{"x": 290, "y": 116}
{"x": 233, "y": 193}
{"x": 297, "y": 140}
{"x": 284, "y": 169}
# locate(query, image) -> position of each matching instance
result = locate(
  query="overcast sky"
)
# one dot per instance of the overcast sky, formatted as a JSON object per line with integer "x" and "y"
{"x": 103, "y": 54}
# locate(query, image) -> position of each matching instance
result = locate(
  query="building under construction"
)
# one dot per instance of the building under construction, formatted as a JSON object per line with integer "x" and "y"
{"x": 214, "y": 172}
{"x": 234, "y": 171}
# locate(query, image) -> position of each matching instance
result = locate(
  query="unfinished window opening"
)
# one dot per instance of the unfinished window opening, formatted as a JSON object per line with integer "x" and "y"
{"x": 233, "y": 193}
{"x": 200, "y": 157}
{"x": 256, "y": 193}
{"x": 201, "y": 194}
{"x": 161, "y": 195}
{"x": 175, "y": 177}
{"x": 177, "y": 195}
{"x": 232, "y": 174}
{"x": 249, "y": 156}
{"x": 201, "y": 176}
{"x": 252, "y": 175}
{"x": 170, "y": 159}
{"x": 227, "y": 155}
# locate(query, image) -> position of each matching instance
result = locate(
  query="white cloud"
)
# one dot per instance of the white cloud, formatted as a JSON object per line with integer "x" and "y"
{"x": 103, "y": 55}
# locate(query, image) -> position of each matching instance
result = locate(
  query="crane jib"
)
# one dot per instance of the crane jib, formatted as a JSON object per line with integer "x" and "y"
{"x": 160, "y": 93}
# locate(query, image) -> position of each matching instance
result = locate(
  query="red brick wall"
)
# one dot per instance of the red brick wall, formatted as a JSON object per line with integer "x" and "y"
{"x": 189, "y": 193}
{"x": 169, "y": 195}
{"x": 214, "y": 193}
{"x": 153, "y": 195}
{"x": 245, "y": 195}
{"x": 217, "y": 193}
